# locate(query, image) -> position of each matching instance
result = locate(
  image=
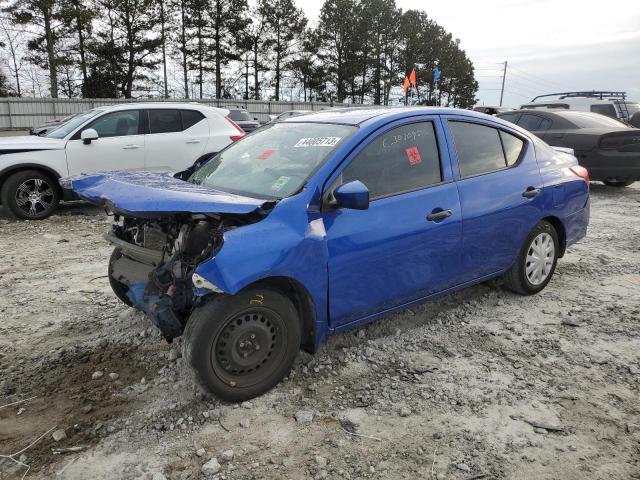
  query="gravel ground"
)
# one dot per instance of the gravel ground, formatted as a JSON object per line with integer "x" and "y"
{"x": 480, "y": 384}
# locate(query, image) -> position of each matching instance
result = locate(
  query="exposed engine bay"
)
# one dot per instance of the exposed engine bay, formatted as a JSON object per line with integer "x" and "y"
{"x": 155, "y": 258}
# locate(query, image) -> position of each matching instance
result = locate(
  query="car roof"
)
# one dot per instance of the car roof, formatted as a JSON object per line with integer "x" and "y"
{"x": 359, "y": 115}
{"x": 159, "y": 105}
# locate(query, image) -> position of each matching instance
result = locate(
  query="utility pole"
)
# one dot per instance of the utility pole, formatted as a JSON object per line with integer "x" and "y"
{"x": 504, "y": 76}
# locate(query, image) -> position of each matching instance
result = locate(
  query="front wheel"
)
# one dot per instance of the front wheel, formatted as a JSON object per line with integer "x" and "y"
{"x": 618, "y": 183}
{"x": 240, "y": 346}
{"x": 536, "y": 262}
{"x": 30, "y": 195}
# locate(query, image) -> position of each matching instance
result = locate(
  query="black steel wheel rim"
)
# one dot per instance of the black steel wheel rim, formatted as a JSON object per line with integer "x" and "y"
{"x": 34, "y": 196}
{"x": 249, "y": 347}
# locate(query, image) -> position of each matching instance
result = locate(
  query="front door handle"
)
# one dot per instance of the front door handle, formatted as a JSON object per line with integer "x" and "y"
{"x": 530, "y": 192}
{"x": 441, "y": 215}
{"x": 193, "y": 140}
{"x": 131, "y": 147}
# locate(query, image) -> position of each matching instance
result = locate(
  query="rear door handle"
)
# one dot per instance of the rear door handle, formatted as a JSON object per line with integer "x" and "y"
{"x": 441, "y": 215}
{"x": 193, "y": 140}
{"x": 131, "y": 147}
{"x": 530, "y": 192}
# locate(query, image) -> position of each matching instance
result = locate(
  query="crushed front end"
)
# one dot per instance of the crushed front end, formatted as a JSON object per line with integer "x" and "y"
{"x": 154, "y": 260}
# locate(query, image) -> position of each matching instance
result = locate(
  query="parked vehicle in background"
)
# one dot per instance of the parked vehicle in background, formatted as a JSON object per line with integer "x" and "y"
{"x": 608, "y": 148}
{"x": 47, "y": 127}
{"x": 289, "y": 114}
{"x": 491, "y": 110}
{"x": 611, "y": 104}
{"x": 243, "y": 119}
{"x": 320, "y": 223}
{"x": 133, "y": 136}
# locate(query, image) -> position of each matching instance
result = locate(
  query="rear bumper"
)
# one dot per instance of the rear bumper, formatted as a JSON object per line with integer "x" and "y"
{"x": 576, "y": 225}
{"x": 603, "y": 165}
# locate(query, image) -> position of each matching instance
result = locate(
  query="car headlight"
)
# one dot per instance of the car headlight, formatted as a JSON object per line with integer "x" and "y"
{"x": 201, "y": 282}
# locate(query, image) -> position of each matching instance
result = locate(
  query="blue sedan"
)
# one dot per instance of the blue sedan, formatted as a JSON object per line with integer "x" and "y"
{"x": 328, "y": 221}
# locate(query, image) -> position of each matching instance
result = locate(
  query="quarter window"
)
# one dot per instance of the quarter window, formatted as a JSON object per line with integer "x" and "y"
{"x": 481, "y": 149}
{"x": 117, "y": 124}
{"x": 190, "y": 118}
{"x": 400, "y": 160}
{"x": 164, "y": 121}
{"x": 512, "y": 147}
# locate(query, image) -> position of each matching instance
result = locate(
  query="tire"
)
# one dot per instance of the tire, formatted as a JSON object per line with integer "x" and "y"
{"x": 522, "y": 278}
{"x": 30, "y": 195}
{"x": 119, "y": 288}
{"x": 240, "y": 346}
{"x": 618, "y": 183}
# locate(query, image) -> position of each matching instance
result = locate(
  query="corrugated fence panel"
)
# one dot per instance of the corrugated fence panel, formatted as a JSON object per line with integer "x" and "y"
{"x": 22, "y": 113}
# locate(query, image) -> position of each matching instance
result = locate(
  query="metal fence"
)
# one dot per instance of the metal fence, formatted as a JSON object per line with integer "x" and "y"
{"x": 21, "y": 113}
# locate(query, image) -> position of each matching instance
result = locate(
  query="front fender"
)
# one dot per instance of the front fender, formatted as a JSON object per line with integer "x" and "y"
{"x": 290, "y": 242}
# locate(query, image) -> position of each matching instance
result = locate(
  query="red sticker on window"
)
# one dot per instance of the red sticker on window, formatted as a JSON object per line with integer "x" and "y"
{"x": 265, "y": 154}
{"x": 413, "y": 154}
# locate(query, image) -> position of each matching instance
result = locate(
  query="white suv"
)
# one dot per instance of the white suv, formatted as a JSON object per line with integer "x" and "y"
{"x": 611, "y": 104}
{"x": 141, "y": 136}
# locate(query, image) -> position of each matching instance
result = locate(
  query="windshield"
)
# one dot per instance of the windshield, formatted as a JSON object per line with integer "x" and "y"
{"x": 239, "y": 115}
{"x": 592, "y": 120}
{"x": 273, "y": 162}
{"x": 68, "y": 127}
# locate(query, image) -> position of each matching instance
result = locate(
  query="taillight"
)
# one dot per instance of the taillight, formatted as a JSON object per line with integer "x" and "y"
{"x": 581, "y": 172}
{"x": 241, "y": 132}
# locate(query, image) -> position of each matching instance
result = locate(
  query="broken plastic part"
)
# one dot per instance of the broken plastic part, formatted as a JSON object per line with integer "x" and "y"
{"x": 201, "y": 282}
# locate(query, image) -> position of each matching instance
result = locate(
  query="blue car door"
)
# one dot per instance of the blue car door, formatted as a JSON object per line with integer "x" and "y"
{"x": 407, "y": 244}
{"x": 500, "y": 193}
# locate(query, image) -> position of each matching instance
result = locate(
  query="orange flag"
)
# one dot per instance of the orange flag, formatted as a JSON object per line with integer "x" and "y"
{"x": 412, "y": 78}
{"x": 405, "y": 84}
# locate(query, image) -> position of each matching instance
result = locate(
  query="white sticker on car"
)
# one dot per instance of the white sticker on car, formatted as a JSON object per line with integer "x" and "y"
{"x": 318, "y": 142}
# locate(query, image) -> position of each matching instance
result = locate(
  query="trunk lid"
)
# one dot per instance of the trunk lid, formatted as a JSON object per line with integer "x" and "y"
{"x": 156, "y": 194}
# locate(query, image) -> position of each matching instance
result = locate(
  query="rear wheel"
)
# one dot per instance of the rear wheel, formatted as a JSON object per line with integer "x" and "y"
{"x": 242, "y": 345}
{"x": 119, "y": 288}
{"x": 618, "y": 183}
{"x": 536, "y": 263}
{"x": 30, "y": 195}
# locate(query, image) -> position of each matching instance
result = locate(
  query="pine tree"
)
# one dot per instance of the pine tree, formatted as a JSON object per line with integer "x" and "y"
{"x": 285, "y": 25}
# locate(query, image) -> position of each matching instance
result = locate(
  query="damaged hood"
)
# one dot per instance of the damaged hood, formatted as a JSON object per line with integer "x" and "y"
{"x": 30, "y": 143}
{"x": 154, "y": 193}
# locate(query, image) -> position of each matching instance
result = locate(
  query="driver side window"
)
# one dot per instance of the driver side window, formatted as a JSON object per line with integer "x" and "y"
{"x": 117, "y": 124}
{"x": 403, "y": 159}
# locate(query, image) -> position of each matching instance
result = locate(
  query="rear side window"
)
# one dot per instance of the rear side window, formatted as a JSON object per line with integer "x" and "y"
{"x": 530, "y": 122}
{"x": 481, "y": 149}
{"x": 164, "y": 121}
{"x": 510, "y": 117}
{"x": 190, "y": 118}
{"x": 403, "y": 159}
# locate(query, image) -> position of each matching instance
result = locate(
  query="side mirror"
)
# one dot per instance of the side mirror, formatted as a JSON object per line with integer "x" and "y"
{"x": 88, "y": 135}
{"x": 354, "y": 195}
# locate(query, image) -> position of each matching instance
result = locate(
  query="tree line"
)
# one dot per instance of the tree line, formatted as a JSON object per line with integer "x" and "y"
{"x": 359, "y": 51}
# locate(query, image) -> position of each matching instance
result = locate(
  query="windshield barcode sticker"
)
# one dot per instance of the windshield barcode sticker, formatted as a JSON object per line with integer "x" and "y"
{"x": 318, "y": 142}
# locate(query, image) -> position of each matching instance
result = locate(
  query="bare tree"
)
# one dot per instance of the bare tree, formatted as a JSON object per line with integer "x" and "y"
{"x": 14, "y": 40}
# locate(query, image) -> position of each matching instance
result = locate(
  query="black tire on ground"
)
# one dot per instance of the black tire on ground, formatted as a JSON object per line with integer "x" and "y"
{"x": 30, "y": 195}
{"x": 240, "y": 346}
{"x": 618, "y": 183}
{"x": 522, "y": 277}
{"x": 119, "y": 288}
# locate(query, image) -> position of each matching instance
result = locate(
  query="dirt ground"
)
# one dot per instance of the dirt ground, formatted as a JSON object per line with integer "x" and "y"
{"x": 481, "y": 384}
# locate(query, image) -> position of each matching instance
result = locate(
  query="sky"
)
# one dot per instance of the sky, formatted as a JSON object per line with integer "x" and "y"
{"x": 550, "y": 45}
